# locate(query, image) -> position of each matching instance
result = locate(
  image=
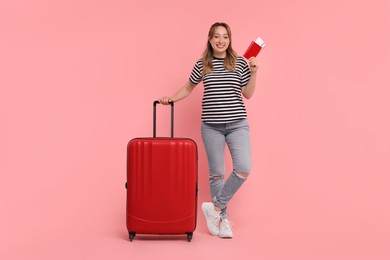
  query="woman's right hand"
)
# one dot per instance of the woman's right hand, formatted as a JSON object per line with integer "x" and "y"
{"x": 165, "y": 100}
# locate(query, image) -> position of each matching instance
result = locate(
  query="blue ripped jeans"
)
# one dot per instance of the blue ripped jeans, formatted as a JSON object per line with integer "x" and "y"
{"x": 215, "y": 137}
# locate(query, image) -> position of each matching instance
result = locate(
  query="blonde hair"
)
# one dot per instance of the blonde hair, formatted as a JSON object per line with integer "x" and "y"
{"x": 231, "y": 55}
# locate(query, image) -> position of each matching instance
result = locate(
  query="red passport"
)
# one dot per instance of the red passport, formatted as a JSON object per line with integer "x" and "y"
{"x": 254, "y": 48}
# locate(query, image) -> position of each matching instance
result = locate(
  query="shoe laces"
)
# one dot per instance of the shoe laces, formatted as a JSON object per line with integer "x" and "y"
{"x": 230, "y": 223}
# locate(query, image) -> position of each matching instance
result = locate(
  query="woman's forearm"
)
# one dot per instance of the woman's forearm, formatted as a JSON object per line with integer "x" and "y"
{"x": 249, "y": 89}
{"x": 183, "y": 92}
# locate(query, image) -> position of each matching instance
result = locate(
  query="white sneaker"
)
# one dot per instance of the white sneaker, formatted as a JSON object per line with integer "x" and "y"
{"x": 225, "y": 231}
{"x": 213, "y": 217}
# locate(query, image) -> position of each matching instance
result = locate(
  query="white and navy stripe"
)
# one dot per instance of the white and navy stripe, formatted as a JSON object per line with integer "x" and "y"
{"x": 222, "y": 99}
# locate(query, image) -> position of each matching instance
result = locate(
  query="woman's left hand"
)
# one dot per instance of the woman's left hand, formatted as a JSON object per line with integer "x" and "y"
{"x": 253, "y": 64}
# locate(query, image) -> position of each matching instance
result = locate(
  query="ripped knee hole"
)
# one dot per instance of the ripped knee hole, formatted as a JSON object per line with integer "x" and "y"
{"x": 242, "y": 175}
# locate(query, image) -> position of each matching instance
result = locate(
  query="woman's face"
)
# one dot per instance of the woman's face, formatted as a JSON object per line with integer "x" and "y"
{"x": 220, "y": 42}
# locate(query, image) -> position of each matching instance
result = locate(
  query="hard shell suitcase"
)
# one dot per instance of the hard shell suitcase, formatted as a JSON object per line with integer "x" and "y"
{"x": 162, "y": 184}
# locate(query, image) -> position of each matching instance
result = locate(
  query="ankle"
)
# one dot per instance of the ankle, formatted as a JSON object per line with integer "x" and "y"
{"x": 217, "y": 208}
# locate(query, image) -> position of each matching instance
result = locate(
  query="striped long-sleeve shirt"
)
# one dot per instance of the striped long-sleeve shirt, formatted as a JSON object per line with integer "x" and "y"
{"x": 222, "y": 100}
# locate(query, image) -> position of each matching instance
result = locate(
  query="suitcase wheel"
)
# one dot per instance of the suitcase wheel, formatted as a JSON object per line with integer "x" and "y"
{"x": 189, "y": 236}
{"x": 131, "y": 235}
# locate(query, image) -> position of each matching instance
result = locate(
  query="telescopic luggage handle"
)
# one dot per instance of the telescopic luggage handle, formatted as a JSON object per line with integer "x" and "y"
{"x": 154, "y": 117}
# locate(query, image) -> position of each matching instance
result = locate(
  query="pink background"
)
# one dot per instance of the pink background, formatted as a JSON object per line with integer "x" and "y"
{"x": 78, "y": 79}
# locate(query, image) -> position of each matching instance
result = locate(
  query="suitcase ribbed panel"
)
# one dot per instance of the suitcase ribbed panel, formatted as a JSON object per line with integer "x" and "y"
{"x": 162, "y": 180}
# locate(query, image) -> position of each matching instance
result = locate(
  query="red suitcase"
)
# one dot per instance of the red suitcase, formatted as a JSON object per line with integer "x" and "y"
{"x": 162, "y": 184}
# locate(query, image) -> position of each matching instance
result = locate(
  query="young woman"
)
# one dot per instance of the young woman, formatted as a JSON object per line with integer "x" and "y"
{"x": 226, "y": 78}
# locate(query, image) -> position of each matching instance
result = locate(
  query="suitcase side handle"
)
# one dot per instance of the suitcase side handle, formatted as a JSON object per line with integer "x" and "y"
{"x": 154, "y": 117}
